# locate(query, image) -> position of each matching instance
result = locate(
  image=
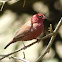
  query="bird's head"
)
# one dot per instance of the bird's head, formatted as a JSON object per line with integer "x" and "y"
{"x": 38, "y": 18}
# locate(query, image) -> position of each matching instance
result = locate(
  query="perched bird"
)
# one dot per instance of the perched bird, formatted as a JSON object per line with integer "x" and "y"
{"x": 30, "y": 30}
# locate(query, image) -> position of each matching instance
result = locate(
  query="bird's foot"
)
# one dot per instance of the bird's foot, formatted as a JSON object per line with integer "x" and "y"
{"x": 24, "y": 45}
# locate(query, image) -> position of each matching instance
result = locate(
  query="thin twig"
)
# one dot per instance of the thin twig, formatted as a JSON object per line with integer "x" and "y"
{"x": 3, "y": 3}
{"x": 49, "y": 35}
{"x": 24, "y": 54}
{"x": 18, "y": 59}
{"x": 24, "y": 3}
{"x": 51, "y": 40}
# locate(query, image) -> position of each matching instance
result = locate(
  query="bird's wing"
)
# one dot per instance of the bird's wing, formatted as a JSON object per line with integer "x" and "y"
{"x": 24, "y": 30}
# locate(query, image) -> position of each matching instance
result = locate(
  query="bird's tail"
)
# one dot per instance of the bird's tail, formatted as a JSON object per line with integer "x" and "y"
{"x": 12, "y": 41}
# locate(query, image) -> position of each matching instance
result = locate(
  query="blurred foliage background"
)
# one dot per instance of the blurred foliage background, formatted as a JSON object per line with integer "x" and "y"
{"x": 14, "y": 15}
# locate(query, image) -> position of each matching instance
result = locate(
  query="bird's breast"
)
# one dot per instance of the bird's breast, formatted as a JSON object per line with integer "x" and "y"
{"x": 37, "y": 29}
{"x": 35, "y": 32}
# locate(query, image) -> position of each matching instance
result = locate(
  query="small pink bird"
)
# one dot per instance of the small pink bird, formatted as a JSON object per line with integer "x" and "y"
{"x": 30, "y": 30}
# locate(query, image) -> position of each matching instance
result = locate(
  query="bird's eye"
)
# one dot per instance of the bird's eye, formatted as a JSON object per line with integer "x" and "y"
{"x": 40, "y": 16}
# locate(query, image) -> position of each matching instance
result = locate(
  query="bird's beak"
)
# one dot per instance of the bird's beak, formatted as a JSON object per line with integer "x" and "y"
{"x": 44, "y": 17}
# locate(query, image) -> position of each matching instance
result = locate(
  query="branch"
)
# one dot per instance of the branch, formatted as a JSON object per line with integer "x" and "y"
{"x": 51, "y": 40}
{"x": 49, "y": 35}
{"x": 18, "y": 59}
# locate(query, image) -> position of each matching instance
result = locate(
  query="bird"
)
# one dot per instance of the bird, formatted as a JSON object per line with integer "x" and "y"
{"x": 30, "y": 30}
